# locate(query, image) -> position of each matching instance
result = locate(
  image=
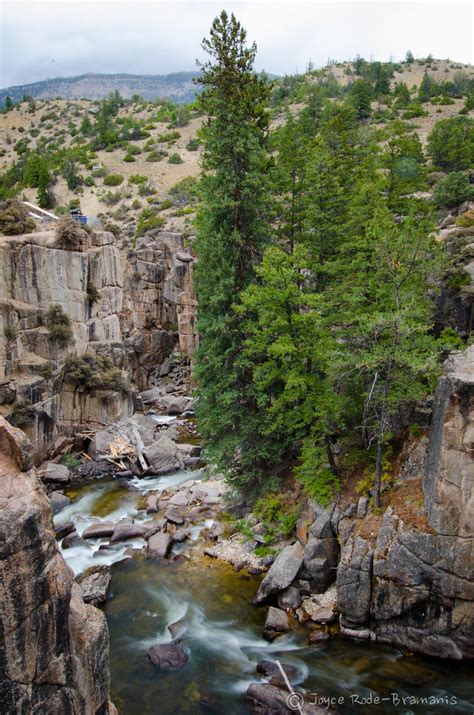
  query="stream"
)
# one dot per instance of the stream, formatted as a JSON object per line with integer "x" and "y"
{"x": 222, "y": 631}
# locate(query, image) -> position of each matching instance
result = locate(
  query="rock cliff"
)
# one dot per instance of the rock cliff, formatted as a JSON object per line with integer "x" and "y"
{"x": 53, "y": 647}
{"x": 407, "y": 577}
{"x": 135, "y": 310}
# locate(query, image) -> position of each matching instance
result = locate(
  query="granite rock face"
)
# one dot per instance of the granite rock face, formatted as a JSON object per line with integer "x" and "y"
{"x": 53, "y": 647}
{"x": 141, "y": 311}
{"x": 413, "y": 584}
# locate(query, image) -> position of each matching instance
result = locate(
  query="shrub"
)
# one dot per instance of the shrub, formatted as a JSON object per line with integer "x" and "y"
{"x": 184, "y": 192}
{"x": 9, "y": 332}
{"x": 128, "y": 158}
{"x": 93, "y": 294}
{"x": 58, "y": 324}
{"x": 113, "y": 180}
{"x": 133, "y": 150}
{"x": 136, "y": 204}
{"x": 156, "y": 155}
{"x": 175, "y": 159}
{"x": 69, "y": 234}
{"x": 112, "y": 197}
{"x": 192, "y": 145}
{"x": 70, "y": 460}
{"x": 168, "y": 137}
{"x": 453, "y": 190}
{"x": 89, "y": 181}
{"x": 14, "y": 218}
{"x": 94, "y": 372}
{"x": 100, "y": 172}
{"x": 22, "y": 413}
{"x": 148, "y": 219}
{"x": 46, "y": 370}
{"x": 137, "y": 179}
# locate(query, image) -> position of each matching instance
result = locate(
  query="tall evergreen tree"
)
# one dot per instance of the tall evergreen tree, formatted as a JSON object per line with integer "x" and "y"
{"x": 231, "y": 232}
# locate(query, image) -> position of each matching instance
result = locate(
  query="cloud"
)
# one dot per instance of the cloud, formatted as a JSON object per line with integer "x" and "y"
{"x": 50, "y": 39}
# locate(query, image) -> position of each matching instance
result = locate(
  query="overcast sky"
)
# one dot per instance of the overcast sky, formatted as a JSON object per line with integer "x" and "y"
{"x": 51, "y": 39}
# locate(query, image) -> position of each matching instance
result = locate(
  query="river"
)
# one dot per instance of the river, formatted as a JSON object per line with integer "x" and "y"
{"x": 222, "y": 631}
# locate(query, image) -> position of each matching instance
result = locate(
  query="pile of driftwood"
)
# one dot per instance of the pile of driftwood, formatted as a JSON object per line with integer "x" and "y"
{"x": 125, "y": 446}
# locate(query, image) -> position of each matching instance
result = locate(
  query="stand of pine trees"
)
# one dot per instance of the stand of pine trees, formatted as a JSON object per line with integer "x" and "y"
{"x": 313, "y": 282}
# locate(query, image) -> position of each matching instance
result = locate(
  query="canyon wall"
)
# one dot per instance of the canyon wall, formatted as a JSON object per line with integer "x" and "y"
{"x": 135, "y": 310}
{"x": 54, "y": 648}
{"x": 407, "y": 577}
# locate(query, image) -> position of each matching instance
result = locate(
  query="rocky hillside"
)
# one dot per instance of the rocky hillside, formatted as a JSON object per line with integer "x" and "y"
{"x": 178, "y": 87}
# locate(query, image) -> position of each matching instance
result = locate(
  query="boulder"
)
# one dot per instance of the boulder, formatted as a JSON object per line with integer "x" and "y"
{"x": 276, "y": 623}
{"x": 289, "y": 598}
{"x": 58, "y": 501}
{"x": 267, "y": 699}
{"x": 321, "y": 553}
{"x": 168, "y": 655}
{"x": 318, "y": 613}
{"x": 270, "y": 669}
{"x": 55, "y": 473}
{"x": 100, "y": 443}
{"x": 174, "y": 515}
{"x": 64, "y": 530}
{"x": 162, "y": 456}
{"x": 123, "y": 532}
{"x": 95, "y": 584}
{"x": 72, "y": 540}
{"x": 158, "y": 545}
{"x": 98, "y": 530}
{"x": 152, "y": 504}
{"x": 282, "y": 572}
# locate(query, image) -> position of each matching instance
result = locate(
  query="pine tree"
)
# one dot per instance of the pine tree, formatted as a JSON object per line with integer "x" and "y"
{"x": 231, "y": 232}
{"x": 409, "y": 59}
{"x": 361, "y": 96}
{"x": 8, "y": 102}
{"x": 426, "y": 88}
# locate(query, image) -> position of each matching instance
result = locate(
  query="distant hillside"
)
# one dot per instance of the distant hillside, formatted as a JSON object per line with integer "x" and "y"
{"x": 178, "y": 87}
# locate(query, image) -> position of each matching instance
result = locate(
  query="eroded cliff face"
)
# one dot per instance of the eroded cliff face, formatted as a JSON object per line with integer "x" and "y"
{"x": 53, "y": 647}
{"x": 407, "y": 577}
{"x": 134, "y": 309}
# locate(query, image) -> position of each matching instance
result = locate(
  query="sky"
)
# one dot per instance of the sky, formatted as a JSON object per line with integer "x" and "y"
{"x": 59, "y": 39}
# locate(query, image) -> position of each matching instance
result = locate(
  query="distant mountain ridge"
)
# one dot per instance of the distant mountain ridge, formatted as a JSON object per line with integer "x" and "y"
{"x": 178, "y": 87}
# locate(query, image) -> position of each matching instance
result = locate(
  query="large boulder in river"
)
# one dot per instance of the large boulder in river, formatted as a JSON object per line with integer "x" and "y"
{"x": 95, "y": 584}
{"x": 162, "y": 455}
{"x": 168, "y": 655}
{"x": 266, "y": 699}
{"x": 282, "y": 572}
{"x": 276, "y": 623}
{"x": 54, "y": 473}
{"x": 321, "y": 553}
{"x": 158, "y": 545}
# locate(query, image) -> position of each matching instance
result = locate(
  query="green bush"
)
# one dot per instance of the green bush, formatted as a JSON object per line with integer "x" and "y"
{"x": 137, "y": 179}
{"x": 22, "y": 414}
{"x": 70, "y": 460}
{"x": 94, "y": 372}
{"x": 192, "y": 145}
{"x": 100, "y": 172}
{"x": 58, "y": 324}
{"x": 184, "y": 192}
{"x": 128, "y": 158}
{"x": 9, "y": 332}
{"x": 111, "y": 198}
{"x": 89, "y": 181}
{"x": 156, "y": 155}
{"x": 14, "y": 218}
{"x": 113, "y": 179}
{"x": 148, "y": 219}
{"x": 453, "y": 190}
{"x": 168, "y": 137}
{"x": 93, "y": 295}
{"x": 69, "y": 234}
{"x": 175, "y": 159}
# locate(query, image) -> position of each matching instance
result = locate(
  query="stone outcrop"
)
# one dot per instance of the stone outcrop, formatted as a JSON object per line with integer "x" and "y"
{"x": 135, "y": 312}
{"x": 409, "y": 581}
{"x": 53, "y": 647}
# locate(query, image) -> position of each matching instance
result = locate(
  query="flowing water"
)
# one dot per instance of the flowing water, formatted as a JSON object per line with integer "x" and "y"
{"x": 222, "y": 632}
